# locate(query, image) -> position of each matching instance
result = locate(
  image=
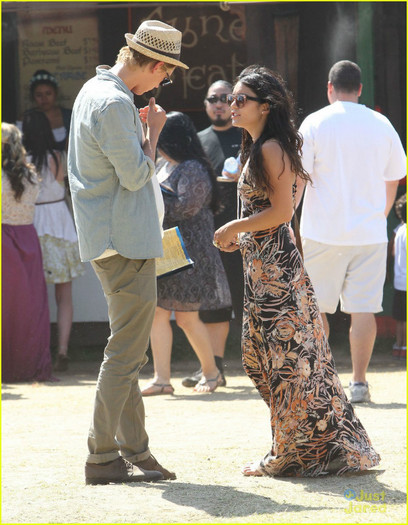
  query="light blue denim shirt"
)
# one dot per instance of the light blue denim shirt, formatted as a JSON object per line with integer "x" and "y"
{"x": 109, "y": 174}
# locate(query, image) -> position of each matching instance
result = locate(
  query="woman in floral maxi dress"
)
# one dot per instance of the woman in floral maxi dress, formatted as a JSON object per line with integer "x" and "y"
{"x": 285, "y": 351}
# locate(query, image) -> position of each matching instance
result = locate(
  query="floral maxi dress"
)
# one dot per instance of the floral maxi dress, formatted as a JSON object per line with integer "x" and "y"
{"x": 287, "y": 356}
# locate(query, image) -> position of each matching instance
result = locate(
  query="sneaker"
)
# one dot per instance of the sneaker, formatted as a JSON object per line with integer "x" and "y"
{"x": 359, "y": 392}
{"x": 399, "y": 352}
{"x": 191, "y": 381}
{"x": 118, "y": 471}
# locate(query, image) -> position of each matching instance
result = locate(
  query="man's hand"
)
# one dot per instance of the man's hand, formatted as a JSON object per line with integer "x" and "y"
{"x": 153, "y": 116}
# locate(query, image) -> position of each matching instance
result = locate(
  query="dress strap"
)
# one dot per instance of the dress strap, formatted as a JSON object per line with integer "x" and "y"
{"x": 296, "y": 221}
{"x": 294, "y": 190}
{"x": 238, "y": 204}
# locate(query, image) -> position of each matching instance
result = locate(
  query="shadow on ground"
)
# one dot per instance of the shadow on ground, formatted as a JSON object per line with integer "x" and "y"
{"x": 226, "y": 502}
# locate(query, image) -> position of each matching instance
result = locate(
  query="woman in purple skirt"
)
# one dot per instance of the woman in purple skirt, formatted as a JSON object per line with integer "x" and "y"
{"x": 26, "y": 326}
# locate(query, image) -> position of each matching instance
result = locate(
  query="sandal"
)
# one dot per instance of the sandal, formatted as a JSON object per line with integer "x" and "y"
{"x": 206, "y": 382}
{"x": 157, "y": 389}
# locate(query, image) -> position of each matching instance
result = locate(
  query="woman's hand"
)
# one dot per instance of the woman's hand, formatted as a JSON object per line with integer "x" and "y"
{"x": 225, "y": 238}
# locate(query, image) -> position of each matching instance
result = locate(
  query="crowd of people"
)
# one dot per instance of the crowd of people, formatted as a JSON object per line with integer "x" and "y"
{"x": 132, "y": 174}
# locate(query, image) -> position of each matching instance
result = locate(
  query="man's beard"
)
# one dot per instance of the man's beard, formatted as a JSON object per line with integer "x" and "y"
{"x": 219, "y": 121}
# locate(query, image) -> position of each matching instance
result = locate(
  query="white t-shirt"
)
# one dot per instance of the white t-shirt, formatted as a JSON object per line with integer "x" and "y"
{"x": 349, "y": 152}
{"x": 159, "y": 200}
{"x": 400, "y": 258}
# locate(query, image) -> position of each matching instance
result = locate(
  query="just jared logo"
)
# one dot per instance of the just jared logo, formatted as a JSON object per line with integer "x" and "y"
{"x": 365, "y": 502}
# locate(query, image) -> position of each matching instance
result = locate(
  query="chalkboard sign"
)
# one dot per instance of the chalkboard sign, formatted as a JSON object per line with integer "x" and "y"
{"x": 65, "y": 43}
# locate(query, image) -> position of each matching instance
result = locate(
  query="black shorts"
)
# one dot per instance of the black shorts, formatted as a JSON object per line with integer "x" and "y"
{"x": 216, "y": 316}
{"x": 399, "y": 306}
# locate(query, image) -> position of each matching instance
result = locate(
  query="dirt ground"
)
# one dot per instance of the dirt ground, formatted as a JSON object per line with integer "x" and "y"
{"x": 205, "y": 438}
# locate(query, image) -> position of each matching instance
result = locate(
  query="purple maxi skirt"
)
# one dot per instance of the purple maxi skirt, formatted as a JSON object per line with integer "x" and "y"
{"x": 25, "y": 316}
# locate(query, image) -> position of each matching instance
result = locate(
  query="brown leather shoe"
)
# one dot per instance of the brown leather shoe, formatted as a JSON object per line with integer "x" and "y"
{"x": 151, "y": 463}
{"x": 118, "y": 471}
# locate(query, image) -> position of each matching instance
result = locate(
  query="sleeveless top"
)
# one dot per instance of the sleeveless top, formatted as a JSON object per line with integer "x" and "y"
{"x": 51, "y": 190}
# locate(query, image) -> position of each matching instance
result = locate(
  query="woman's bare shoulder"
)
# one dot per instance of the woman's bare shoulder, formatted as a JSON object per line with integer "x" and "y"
{"x": 272, "y": 147}
{"x": 274, "y": 156}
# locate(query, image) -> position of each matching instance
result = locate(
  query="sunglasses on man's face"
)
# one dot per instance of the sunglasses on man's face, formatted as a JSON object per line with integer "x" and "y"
{"x": 166, "y": 80}
{"x": 215, "y": 98}
{"x": 241, "y": 100}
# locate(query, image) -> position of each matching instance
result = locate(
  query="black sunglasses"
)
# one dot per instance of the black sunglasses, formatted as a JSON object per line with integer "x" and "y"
{"x": 241, "y": 100}
{"x": 166, "y": 80}
{"x": 215, "y": 98}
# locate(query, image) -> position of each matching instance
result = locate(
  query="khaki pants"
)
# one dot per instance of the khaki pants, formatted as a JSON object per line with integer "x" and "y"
{"x": 118, "y": 423}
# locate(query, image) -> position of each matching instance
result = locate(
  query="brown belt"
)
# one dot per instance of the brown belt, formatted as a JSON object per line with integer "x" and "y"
{"x": 48, "y": 202}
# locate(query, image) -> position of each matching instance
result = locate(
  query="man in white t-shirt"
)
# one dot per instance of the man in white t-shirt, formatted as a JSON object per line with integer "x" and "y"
{"x": 355, "y": 159}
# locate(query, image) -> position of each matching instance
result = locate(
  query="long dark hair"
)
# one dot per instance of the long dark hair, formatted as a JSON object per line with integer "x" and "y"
{"x": 179, "y": 141}
{"x": 13, "y": 160}
{"x": 38, "y": 138}
{"x": 280, "y": 124}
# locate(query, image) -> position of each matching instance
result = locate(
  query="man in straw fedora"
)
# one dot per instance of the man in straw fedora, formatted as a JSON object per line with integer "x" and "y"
{"x": 111, "y": 164}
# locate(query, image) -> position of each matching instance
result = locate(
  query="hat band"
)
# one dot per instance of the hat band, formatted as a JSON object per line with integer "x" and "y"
{"x": 176, "y": 56}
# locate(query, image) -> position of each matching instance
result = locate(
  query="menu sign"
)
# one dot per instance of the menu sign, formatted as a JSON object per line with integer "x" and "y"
{"x": 63, "y": 42}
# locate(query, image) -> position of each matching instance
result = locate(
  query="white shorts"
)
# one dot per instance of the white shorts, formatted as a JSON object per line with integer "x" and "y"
{"x": 353, "y": 274}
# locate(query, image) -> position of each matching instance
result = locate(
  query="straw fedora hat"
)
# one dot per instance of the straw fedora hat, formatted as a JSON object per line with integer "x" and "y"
{"x": 157, "y": 40}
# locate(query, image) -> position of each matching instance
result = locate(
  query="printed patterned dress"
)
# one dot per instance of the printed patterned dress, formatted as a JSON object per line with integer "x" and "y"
{"x": 287, "y": 356}
{"x": 187, "y": 195}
